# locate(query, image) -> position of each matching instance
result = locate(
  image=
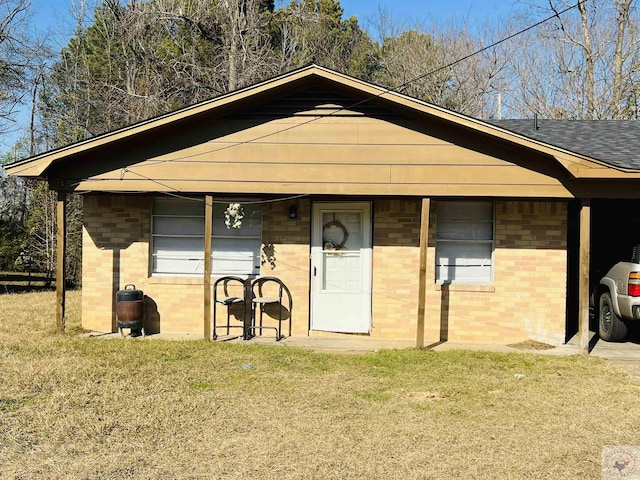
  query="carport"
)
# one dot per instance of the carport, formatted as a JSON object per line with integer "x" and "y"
{"x": 615, "y": 230}
{"x": 604, "y": 218}
{"x": 613, "y": 234}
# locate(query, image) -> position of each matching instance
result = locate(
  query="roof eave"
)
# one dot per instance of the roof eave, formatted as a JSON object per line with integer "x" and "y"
{"x": 37, "y": 165}
{"x": 578, "y": 166}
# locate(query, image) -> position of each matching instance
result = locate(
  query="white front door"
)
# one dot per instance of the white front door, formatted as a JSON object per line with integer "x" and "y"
{"x": 341, "y": 267}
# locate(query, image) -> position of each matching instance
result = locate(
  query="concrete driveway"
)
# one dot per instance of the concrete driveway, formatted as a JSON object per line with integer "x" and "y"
{"x": 625, "y": 355}
{"x": 617, "y": 351}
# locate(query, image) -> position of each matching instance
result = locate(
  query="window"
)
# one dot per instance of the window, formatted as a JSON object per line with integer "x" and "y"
{"x": 178, "y": 236}
{"x": 236, "y": 251}
{"x": 178, "y": 239}
{"x": 464, "y": 242}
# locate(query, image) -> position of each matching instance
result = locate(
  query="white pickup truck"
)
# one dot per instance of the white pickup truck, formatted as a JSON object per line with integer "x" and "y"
{"x": 619, "y": 298}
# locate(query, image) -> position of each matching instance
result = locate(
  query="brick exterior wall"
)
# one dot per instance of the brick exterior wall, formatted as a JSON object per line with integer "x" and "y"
{"x": 528, "y": 297}
{"x": 285, "y": 254}
{"x": 116, "y": 239}
{"x": 526, "y": 300}
{"x": 396, "y": 265}
{"x": 115, "y": 252}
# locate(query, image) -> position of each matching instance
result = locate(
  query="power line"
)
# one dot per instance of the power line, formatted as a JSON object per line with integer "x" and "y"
{"x": 488, "y": 47}
{"x": 343, "y": 108}
{"x": 398, "y": 89}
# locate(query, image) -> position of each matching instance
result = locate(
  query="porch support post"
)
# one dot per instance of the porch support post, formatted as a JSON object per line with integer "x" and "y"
{"x": 422, "y": 279}
{"x": 61, "y": 250}
{"x": 208, "y": 226}
{"x": 583, "y": 276}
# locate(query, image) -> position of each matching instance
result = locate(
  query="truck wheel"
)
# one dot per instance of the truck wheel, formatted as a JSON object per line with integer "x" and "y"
{"x": 610, "y": 327}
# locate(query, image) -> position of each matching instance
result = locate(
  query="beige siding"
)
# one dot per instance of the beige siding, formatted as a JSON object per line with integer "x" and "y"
{"x": 350, "y": 154}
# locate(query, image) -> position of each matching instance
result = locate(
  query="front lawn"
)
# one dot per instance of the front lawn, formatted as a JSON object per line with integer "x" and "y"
{"x": 76, "y": 407}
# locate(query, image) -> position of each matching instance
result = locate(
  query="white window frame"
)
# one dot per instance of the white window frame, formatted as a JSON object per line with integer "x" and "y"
{"x": 468, "y": 236}
{"x": 189, "y": 262}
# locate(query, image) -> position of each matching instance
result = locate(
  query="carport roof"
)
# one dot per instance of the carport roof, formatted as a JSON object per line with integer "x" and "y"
{"x": 614, "y": 142}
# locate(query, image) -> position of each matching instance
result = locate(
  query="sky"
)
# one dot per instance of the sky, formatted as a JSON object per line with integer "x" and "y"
{"x": 426, "y": 11}
{"x": 54, "y": 15}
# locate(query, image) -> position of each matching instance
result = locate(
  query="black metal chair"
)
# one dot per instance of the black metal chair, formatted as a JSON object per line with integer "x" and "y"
{"x": 226, "y": 284}
{"x": 271, "y": 292}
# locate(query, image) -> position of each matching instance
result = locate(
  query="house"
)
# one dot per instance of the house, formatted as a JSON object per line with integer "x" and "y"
{"x": 385, "y": 216}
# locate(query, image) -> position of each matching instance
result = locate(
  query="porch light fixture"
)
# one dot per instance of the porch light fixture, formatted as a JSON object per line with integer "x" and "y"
{"x": 293, "y": 211}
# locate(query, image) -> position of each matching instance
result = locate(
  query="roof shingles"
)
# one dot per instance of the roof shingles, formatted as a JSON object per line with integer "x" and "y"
{"x": 615, "y": 142}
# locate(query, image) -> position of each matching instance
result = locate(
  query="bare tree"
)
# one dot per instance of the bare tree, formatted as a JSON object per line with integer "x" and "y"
{"x": 246, "y": 40}
{"x": 585, "y": 63}
{"x": 447, "y": 66}
{"x": 16, "y": 50}
{"x": 477, "y": 75}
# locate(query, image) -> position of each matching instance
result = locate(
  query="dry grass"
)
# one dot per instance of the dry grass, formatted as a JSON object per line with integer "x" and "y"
{"x": 75, "y": 407}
